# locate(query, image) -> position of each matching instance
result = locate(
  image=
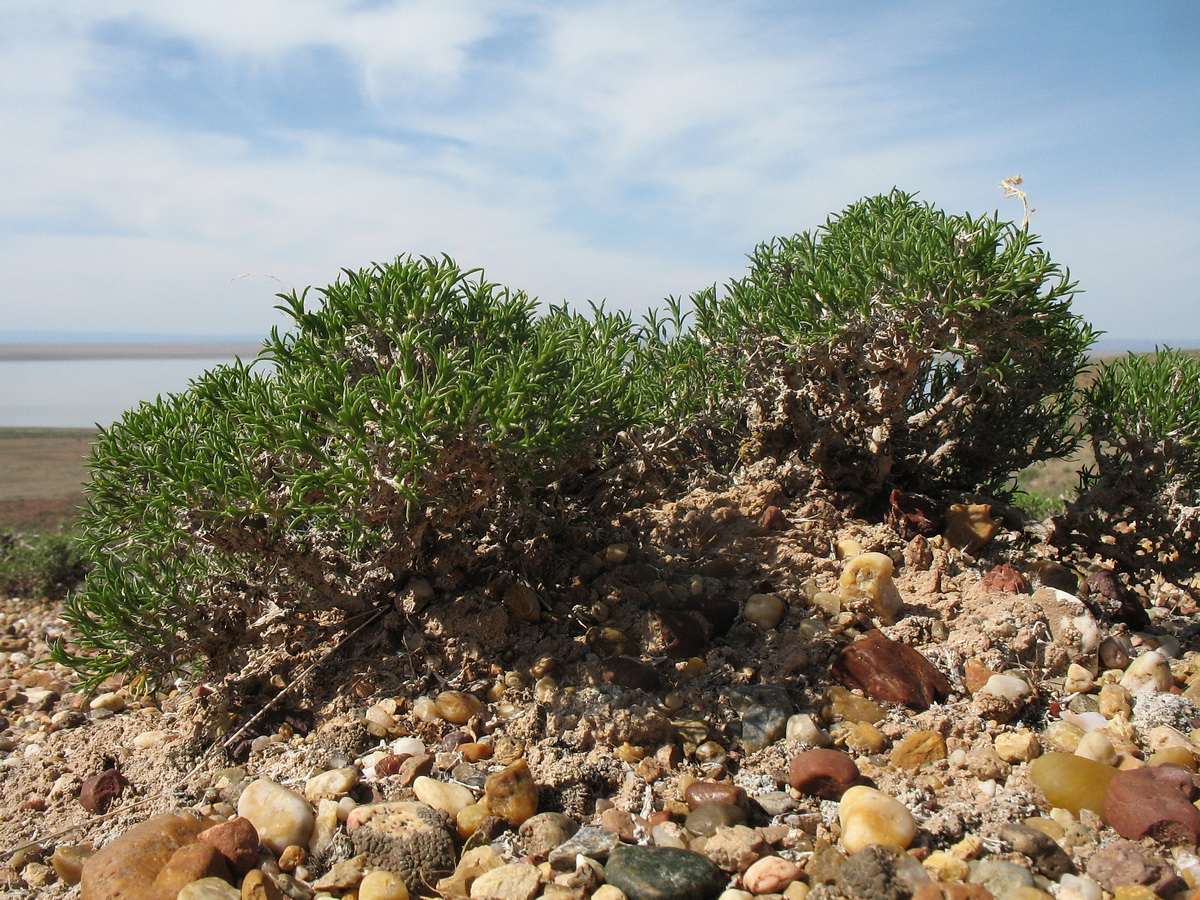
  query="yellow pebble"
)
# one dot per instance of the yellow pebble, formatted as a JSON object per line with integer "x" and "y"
{"x": 381, "y": 884}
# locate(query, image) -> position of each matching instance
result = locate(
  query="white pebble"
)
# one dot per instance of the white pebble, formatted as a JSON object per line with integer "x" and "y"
{"x": 410, "y": 745}
{"x": 280, "y": 815}
{"x": 1078, "y": 887}
{"x": 764, "y": 610}
{"x": 1148, "y": 670}
{"x": 148, "y": 739}
{"x": 1007, "y": 687}
{"x": 1079, "y": 680}
{"x": 111, "y": 701}
{"x": 802, "y": 727}
{"x": 1096, "y": 745}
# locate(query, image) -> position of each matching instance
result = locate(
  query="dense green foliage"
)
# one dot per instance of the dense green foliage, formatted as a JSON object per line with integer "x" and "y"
{"x": 416, "y": 418}
{"x": 419, "y": 422}
{"x": 1140, "y": 503}
{"x": 897, "y": 345}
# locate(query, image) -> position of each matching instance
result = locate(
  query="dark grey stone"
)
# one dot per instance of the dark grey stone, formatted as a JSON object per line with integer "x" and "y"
{"x": 663, "y": 873}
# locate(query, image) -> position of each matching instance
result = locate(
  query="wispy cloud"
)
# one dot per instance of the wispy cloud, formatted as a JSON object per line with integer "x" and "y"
{"x": 587, "y": 150}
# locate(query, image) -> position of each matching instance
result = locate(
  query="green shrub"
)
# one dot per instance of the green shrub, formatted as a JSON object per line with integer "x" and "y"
{"x": 1139, "y": 505}
{"x": 40, "y": 565}
{"x": 418, "y": 421}
{"x": 896, "y": 346}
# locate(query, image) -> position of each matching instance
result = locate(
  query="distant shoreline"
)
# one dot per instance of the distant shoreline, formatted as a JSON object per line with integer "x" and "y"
{"x": 49, "y": 351}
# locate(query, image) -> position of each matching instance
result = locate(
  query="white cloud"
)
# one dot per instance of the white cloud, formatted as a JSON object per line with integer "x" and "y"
{"x": 583, "y": 150}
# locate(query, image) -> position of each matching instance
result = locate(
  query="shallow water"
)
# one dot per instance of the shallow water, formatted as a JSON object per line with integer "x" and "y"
{"x": 84, "y": 393}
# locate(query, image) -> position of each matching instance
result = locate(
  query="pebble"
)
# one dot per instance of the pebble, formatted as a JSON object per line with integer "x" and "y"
{"x": 823, "y": 773}
{"x": 765, "y": 611}
{"x": 735, "y": 848}
{"x": 515, "y": 881}
{"x": 1047, "y": 856}
{"x": 700, "y": 792}
{"x": 1153, "y": 803}
{"x": 883, "y": 872}
{"x": 918, "y": 749}
{"x": 706, "y": 818}
{"x": 209, "y": 889}
{"x": 630, "y": 673}
{"x": 803, "y": 728}
{"x": 280, "y": 815}
{"x": 512, "y": 793}
{"x": 542, "y": 833}
{"x": 449, "y": 797}
{"x": 969, "y": 526}
{"x": 236, "y": 840}
{"x": 663, "y": 873}
{"x": 191, "y": 862}
{"x": 457, "y": 707}
{"x": 1079, "y": 887}
{"x": 1095, "y": 745}
{"x": 889, "y": 671}
{"x": 1150, "y": 670}
{"x": 848, "y": 707}
{"x": 1125, "y": 863}
{"x": 331, "y": 784}
{"x": 111, "y": 701}
{"x": 869, "y": 576}
{"x": 770, "y": 875}
{"x": 1017, "y": 747}
{"x": 1071, "y": 782}
{"x": 380, "y": 884}
{"x": 868, "y": 816}
{"x": 129, "y": 863}
{"x": 99, "y": 792}
{"x": 68, "y": 860}
{"x": 257, "y": 885}
{"x": 1000, "y": 877}
{"x": 764, "y": 710}
{"x": 589, "y": 842}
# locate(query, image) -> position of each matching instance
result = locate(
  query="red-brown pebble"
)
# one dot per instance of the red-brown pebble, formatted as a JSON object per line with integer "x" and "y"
{"x": 189, "y": 863}
{"x": 1004, "y": 579}
{"x": 98, "y": 792}
{"x": 890, "y": 671}
{"x": 823, "y": 773}
{"x": 1153, "y": 802}
{"x": 237, "y": 841}
{"x": 933, "y": 891}
{"x": 699, "y": 792}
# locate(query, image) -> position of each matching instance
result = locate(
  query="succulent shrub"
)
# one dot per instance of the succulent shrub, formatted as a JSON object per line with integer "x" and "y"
{"x": 1139, "y": 505}
{"x": 895, "y": 346}
{"x": 417, "y": 421}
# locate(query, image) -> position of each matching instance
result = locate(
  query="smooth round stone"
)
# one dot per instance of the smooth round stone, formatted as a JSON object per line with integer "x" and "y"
{"x": 457, "y": 707}
{"x": 1007, "y": 687}
{"x": 764, "y": 610}
{"x": 706, "y": 818}
{"x": 443, "y": 795}
{"x": 1071, "y": 782}
{"x": 110, "y": 701}
{"x": 409, "y": 746}
{"x": 663, "y": 873}
{"x": 823, "y": 773}
{"x": 700, "y": 792}
{"x": 1062, "y": 737}
{"x": 770, "y": 875}
{"x": 1078, "y": 679}
{"x": 1079, "y": 887}
{"x": 279, "y": 815}
{"x": 1017, "y": 747}
{"x": 868, "y": 816}
{"x": 381, "y": 884}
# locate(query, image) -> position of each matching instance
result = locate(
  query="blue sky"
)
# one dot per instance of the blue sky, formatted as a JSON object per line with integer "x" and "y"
{"x": 154, "y": 151}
